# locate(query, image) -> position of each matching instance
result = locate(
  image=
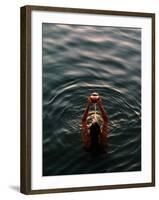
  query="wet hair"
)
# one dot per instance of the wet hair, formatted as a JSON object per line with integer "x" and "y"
{"x": 94, "y": 133}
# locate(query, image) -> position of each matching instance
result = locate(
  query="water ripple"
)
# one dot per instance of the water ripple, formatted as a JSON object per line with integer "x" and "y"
{"x": 79, "y": 60}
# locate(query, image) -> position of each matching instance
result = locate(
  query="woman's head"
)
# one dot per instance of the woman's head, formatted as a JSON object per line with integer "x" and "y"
{"x": 94, "y": 135}
{"x": 95, "y": 128}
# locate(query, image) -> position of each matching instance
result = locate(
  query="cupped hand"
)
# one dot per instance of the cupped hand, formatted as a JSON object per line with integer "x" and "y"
{"x": 94, "y": 99}
{"x": 89, "y": 100}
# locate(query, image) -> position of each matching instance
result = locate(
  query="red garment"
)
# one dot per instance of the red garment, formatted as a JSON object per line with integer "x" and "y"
{"x": 85, "y": 128}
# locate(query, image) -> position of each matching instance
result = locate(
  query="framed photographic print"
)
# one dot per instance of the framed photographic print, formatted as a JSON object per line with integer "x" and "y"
{"x": 87, "y": 99}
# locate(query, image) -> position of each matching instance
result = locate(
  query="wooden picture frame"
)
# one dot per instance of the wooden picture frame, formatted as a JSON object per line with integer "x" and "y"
{"x": 27, "y": 79}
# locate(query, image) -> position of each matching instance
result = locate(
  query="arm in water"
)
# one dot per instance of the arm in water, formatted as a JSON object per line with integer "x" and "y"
{"x": 104, "y": 131}
{"x": 85, "y": 133}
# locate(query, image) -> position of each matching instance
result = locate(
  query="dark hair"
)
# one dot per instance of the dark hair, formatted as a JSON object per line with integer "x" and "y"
{"x": 94, "y": 134}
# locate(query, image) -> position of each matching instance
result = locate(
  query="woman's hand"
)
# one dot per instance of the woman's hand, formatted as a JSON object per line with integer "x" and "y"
{"x": 99, "y": 102}
{"x": 94, "y": 98}
{"x": 89, "y": 100}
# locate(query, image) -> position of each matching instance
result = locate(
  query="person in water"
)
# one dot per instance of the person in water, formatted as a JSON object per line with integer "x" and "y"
{"x": 95, "y": 134}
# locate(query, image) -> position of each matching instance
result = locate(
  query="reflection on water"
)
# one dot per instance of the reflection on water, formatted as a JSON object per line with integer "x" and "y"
{"x": 79, "y": 60}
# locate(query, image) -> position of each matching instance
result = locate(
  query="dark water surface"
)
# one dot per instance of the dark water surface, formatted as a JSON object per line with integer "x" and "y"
{"x": 79, "y": 60}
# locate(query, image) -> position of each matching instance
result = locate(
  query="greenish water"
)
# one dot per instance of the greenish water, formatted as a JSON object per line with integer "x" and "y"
{"x": 79, "y": 60}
